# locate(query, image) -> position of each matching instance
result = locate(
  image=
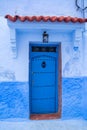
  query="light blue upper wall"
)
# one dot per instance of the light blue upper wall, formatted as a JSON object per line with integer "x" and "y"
{"x": 85, "y": 5}
{"x": 40, "y": 7}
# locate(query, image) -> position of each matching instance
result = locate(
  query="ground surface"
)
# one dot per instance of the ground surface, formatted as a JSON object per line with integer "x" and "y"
{"x": 19, "y": 124}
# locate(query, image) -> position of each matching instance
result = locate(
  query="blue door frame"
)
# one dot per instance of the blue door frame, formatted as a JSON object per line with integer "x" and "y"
{"x": 43, "y": 78}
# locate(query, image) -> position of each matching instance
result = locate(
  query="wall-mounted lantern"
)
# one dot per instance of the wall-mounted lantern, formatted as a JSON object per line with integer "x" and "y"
{"x": 45, "y": 37}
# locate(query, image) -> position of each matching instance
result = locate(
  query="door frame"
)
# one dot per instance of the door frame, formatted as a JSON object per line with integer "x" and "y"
{"x": 54, "y": 115}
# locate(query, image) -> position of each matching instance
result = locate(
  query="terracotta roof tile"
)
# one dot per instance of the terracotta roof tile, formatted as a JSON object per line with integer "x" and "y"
{"x": 46, "y": 18}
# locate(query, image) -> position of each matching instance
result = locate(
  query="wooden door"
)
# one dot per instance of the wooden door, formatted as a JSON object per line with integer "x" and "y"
{"x": 43, "y": 79}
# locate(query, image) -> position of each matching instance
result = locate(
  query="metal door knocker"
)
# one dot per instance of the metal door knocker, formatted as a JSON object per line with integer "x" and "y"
{"x": 43, "y": 64}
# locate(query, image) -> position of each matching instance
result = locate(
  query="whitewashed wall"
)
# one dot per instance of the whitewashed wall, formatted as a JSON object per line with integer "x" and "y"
{"x": 40, "y": 7}
{"x": 36, "y": 7}
{"x": 19, "y": 66}
{"x": 18, "y": 69}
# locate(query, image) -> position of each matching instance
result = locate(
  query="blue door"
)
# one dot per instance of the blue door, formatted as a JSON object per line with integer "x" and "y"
{"x": 43, "y": 79}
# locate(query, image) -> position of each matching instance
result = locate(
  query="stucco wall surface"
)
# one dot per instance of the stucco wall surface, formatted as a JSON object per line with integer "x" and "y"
{"x": 14, "y": 73}
{"x": 14, "y": 99}
{"x": 40, "y": 7}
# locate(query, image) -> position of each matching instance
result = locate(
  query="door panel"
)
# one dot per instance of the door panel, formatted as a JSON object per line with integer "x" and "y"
{"x": 43, "y": 82}
{"x": 43, "y": 92}
{"x": 37, "y": 64}
{"x": 43, "y": 79}
{"x": 43, "y": 106}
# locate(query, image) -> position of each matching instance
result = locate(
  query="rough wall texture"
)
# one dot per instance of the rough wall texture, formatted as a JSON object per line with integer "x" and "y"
{"x": 14, "y": 99}
{"x": 84, "y": 94}
{"x": 72, "y": 97}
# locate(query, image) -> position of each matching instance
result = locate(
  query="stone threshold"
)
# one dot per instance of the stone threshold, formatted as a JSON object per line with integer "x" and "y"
{"x": 25, "y": 124}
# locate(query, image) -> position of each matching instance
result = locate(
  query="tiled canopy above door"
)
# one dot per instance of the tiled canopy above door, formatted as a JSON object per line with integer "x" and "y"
{"x": 74, "y": 25}
{"x": 46, "y": 18}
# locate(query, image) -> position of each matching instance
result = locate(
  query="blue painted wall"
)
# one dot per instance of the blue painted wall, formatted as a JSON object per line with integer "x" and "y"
{"x": 84, "y": 95}
{"x": 72, "y": 98}
{"x": 14, "y": 73}
{"x": 14, "y": 99}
